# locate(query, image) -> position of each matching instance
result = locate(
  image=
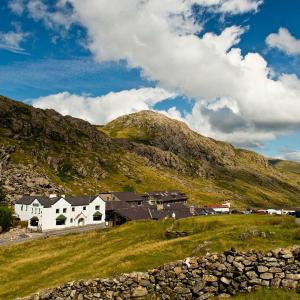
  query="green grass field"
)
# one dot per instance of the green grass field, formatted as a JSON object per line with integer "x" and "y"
{"x": 268, "y": 294}
{"x": 29, "y": 267}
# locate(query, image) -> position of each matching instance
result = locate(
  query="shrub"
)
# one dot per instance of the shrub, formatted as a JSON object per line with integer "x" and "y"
{"x": 2, "y": 195}
{"x": 5, "y": 217}
{"x": 128, "y": 188}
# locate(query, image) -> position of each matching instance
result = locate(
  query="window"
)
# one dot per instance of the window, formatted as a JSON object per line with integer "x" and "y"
{"x": 97, "y": 216}
{"x": 84, "y": 208}
{"x": 71, "y": 220}
{"x": 61, "y": 220}
{"x": 73, "y": 208}
{"x": 57, "y": 210}
{"x": 34, "y": 222}
{"x": 21, "y": 207}
{"x": 97, "y": 207}
{"x": 64, "y": 210}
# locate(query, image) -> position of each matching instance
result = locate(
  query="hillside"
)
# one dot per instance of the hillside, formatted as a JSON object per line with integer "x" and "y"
{"x": 286, "y": 166}
{"x": 36, "y": 265}
{"x": 42, "y": 151}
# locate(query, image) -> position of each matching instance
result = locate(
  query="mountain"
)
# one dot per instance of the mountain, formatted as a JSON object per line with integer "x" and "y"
{"x": 42, "y": 151}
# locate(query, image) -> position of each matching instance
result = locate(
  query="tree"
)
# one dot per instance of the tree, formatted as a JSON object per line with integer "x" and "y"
{"x": 2, "y": 195}
{"x": 5, "y": 218}
{"x": 128, "y": 188}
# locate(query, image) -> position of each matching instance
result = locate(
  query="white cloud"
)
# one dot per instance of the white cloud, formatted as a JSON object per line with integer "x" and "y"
{"x": 237, "y": 98}
{"x": 284, "y": 41}
{"x": 293, "y": 155}
{"x": 16, "y": 6}
{"x": 12, "y": 40}
{"x": 211, "y": 69}
{"x": 58, "y": 17}
{"x": 232, "y": 6}
{"x": 100, "y": 110}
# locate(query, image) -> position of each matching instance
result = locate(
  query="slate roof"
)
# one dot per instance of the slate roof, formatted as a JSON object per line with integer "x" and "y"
{"x": 80, "y": 200}
{"x": 128, "y": 196}
{"x": 113, "y": 205}
{"x": 135, "y": 213}
{"x": 45, "y": 201}
{"x": 48, "y": 202}
{"x": 166, "y": 196}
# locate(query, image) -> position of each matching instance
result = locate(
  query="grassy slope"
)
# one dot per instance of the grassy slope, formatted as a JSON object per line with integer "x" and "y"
{"x": 241, "y": 188}
{"x": 287, "y": 166}
{"x": 268, "y": 294}
{"x": 134, "y": 246}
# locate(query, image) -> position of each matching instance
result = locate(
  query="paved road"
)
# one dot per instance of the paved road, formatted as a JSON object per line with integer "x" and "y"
{"x": 44, "y": 235}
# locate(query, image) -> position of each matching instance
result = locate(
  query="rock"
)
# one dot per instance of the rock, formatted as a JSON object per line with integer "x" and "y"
{"x": 292, "y": 276}
{"x": 262, "y": 269}
{"x": 225, "y": 280}
{"x": 275, "y": 283}
{"x": 178, "y": 270}
{"x": 251, "y": 275}
{"x": 139, "y": 292}
{"x": 275, "y": 270}
{"x": 198, "y": 287}
{"x": 286, "y": 283}
{"x": 266, "y": 276}
{"x": 224, "y": 296}
{"x": 181, "y": 290}
{"x": 210, "y": 278}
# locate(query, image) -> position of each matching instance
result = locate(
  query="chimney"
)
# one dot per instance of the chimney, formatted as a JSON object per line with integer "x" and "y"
{"x": 192, "y": 209}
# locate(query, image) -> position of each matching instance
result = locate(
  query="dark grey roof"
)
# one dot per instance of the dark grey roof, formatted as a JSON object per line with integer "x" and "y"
{"x": 45, "y": 201}
{"x": 80, "y": 200}
{"x": 48, "y": 202}
{"x": 128, "y": 196}
{"x": 134, "y": 213}
{"x": 166, "y": 196}
{"x": 113, "y": 205}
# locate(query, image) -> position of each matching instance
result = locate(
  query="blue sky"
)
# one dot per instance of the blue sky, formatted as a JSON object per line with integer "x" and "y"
{"x": 48, "y": 56}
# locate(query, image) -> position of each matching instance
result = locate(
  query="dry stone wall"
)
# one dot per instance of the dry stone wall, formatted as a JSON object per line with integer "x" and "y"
{"x": 200, "y": 278}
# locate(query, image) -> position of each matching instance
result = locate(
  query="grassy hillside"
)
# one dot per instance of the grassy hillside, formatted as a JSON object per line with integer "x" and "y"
{"x": 286, "y": 166}
{"x": 268, "y": 294}
{"x": 137, "y": 246}
{"x": 144, "y": 151}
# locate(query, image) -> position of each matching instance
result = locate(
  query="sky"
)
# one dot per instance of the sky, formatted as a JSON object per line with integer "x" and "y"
{"x": 227, "y": 68}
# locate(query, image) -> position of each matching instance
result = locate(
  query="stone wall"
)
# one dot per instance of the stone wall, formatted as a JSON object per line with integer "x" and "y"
{"x": 193, "y": 278}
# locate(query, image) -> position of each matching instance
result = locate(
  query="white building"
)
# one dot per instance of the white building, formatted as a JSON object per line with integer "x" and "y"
{"x": 48, "y": 213}
{"x": 221, "y": 209}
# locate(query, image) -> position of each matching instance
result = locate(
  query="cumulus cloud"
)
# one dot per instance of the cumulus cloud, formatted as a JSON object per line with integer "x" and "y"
{"x": 100, "y": 110}
{"x": 209, "y": 68}
{"x": 237, "y": 98}
{"x": 16, "y": 6}
{"x": 12, "y": 40}
{"x": 58, "y": 17}
{"x": 284, "y": 41}
{"x": 292, "y": 155}
{"x": 232, "y": 6}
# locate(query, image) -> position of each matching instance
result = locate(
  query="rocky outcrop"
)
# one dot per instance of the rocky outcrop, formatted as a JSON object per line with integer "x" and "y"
{"x": 215, "y": 274}
{"x": 19, "y": 179}
{"x": 176, "y": 137}
{"x": 20, "y": 121}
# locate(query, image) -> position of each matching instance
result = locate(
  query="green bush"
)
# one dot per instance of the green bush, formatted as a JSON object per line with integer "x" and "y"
{"x": 5, "y": 217}
{"x": 2, "y": 194}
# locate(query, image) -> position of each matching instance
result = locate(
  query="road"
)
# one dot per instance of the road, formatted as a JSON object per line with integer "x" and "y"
{"x": 47, "y": 234}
